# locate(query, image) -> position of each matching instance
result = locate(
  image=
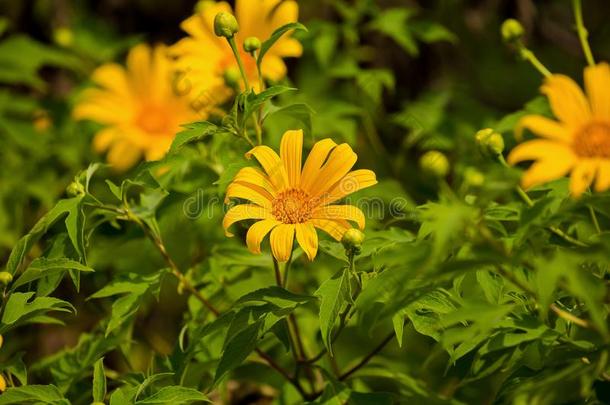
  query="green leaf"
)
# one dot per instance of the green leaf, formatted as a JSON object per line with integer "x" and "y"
{"x": 194, "y": 131}
{"x": 174, "y": 395}
{"x": 277, "y": 34}
{"x": 18, "y": 309}
{"x": 70, "y": 207}
{"x": 393, "y": 22}
{"x": 277, "y": 296}
{"x": 238, "y": 349}
{"x": 334, "y": 294}
{"x": 33, "y": 394}
{"x": 43, "y": 267}
{"x": 99, "y": 381}
{"x": 299, "y": 111}
{"x": 430, "y": 32}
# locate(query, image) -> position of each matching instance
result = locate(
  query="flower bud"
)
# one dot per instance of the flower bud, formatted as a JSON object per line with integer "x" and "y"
{"x": 232, "y": 77}
{"x": 473, "y": 177}
{"x": 225, "y": 25}
{"x": 2, "y": 383}
{"x": 512, "y": 30}
{"x": 252, "y": 44}
{"x": 434, "y": 163}
{"x": 5, "y": 278}
{"x": 63, "y": 37}
{"x": 352, "y": 240}
{"x": 490, "y": 142}
{"x": 75, "y": 189}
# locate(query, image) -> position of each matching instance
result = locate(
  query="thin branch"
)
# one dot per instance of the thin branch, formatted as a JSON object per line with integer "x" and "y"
{"x": 367, "y": 358}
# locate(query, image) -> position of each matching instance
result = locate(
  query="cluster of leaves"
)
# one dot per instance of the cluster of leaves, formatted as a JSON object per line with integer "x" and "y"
{"x": 476, "y": 297}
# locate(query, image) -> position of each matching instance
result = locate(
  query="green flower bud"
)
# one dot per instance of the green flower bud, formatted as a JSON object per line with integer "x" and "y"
{"x": 63, "y": 37}
{"x": 473, "y": 177}
{"x": 252, "y": 44}
{"x": 434, "y": 163}
{"x": 232, "y": 77}
{"x": 5, "y": 277}
{"x": 512, "y": 30}
{"x": 75, "y": 189}
{"x": 352, "y": 240}
{"x": 225, "y": 25}
{"x": 490, "y": 142}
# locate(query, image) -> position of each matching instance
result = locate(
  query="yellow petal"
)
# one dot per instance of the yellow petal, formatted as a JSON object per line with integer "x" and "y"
{"x": 113, "y": 77}
{"x": 315, "y": 160}
{"x": 291, "y": 149}
{"x": 123, "y": 155}
{"x": 339, "y": 163}
{"x": 272, "y": 165}
{"x": 273, "y": 67}
{"x": 282, "y": 238}
{"x": 602, "y": 182}
{"x": 250, "y": 193}
{"x": 544, "y": 171}
{"x": 335, "y": 228}
{"x": 254, "y": 176}
{"x": 567, "y": 100}
{"x": 582, "y": 177}
{"x": 307, "y": 238}
{"x": 139, "y": 69}
{"x": 540, "y": 149}
{"x": 352, "y": 182}
{"x": 242, "y": 212}
{"x": 104, "y": 138}
{"x": 346, "y": 212}
{"x": 257, "y": 233}
{"x": 597, "y": 83}
{"x": 542, "y": 127}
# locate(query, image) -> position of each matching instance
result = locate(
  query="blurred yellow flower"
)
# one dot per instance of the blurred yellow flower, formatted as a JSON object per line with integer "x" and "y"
{"x": 204, "y": 57}
{"x": 138, "y": 106}
{"x": 292, "y": 200}
{"x": 579, "y": 141}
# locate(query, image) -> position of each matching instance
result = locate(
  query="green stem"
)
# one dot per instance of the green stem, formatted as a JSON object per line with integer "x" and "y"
{"x": 239, "y": 62}
{"x": 529, "y": 56}
{"x": 582, "y": 32}
{"x": 594, "y": 219}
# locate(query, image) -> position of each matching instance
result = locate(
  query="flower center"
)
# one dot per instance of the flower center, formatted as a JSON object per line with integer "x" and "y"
{"x": 292, "y": 206}
{"x": 593, "y": 140}
{"x": 154, "y": 120}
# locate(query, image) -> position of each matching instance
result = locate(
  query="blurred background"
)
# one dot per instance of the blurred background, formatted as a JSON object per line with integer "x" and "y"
{"x": 392, "y": 78}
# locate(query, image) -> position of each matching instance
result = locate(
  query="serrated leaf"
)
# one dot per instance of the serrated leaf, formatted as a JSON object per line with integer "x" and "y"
{"x": 194, "y": 131}
{"x": 19, "y": 309}
{"x": 174, "y": 395}
{"x": 334, "y": 294}
{"x": 277, "y": 296}
{"x": 393, "y": 22}
{"x": 43, "y": 267}
{"x": 33, "y": 394}
{"x": 238, "y": 349}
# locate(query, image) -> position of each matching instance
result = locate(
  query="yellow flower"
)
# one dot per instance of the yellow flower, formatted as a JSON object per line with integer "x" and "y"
{"x": 579, "y": 142}
{"x": 204, "y": 57}
{"x": 138, "y": 106}
{"x": 292, "y": 200}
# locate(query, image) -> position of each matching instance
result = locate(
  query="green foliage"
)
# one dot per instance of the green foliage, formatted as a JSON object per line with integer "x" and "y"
{"x": 122, "y": 288}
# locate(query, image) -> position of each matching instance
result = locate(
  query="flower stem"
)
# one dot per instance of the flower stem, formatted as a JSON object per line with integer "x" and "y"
{"x": 239, "y": 61}
{"x": 594, "y": 219}
{"x": 529, "y": 56}
{"x": 582, "y": 32}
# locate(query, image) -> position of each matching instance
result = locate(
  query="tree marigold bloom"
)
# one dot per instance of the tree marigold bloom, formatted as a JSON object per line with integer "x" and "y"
{"x": 578, "y": 142}
{"x": 138, "y": 106}
{"x": 292, "y": 200}
{"x": 204, "y": 57}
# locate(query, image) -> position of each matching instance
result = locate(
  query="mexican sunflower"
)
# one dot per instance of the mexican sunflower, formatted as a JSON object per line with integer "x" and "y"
{"x": 578, "y": 142}
{"x": 137, "y": 105}
{"x": 289, "y": 199}
{"x": 204, "y": 58}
